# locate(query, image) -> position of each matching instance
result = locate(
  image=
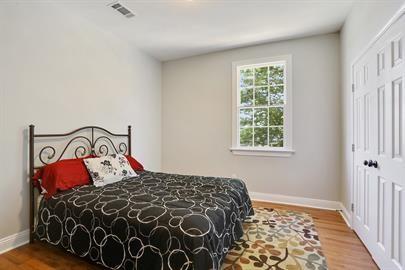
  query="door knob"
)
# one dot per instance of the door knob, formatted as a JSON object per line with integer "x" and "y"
{"x": 373, "y": 164}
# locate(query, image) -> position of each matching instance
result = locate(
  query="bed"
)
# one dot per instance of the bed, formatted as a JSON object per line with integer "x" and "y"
{"x": 151, "y": 221}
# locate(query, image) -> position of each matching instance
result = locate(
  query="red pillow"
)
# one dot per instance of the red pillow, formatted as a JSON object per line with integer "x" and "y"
{"x": 62, "y": 175}
{"x": 134, "y": 163}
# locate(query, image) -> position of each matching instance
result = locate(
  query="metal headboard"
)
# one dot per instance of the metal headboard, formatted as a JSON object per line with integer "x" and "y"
{"x": 97, "y": 141}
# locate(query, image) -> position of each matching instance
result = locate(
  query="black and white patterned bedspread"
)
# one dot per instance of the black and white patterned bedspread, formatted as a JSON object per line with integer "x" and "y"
{"x": 152, "y": 221}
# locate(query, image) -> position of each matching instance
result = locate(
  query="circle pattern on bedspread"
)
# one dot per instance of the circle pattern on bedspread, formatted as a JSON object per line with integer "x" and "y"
{"x": 153, "y": 221}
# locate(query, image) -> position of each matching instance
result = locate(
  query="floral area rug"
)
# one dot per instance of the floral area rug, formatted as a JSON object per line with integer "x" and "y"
{"x": 277, "y": 239}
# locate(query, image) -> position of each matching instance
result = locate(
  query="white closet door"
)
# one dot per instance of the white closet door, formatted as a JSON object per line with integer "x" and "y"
{"x": 379, "y": 157}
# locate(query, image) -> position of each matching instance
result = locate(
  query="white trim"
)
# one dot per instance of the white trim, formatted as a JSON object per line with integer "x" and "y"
{"x": 288, "y": 106}
{"x": 276, "y": 152}
{"x": 13, "y": 241}
{"x": 345, "y": 215}
{"x": 299, "y": 201}
{"x": 394, "y": 18}
{"x": 391, "y": 21}
{"x": 351, "y": 180}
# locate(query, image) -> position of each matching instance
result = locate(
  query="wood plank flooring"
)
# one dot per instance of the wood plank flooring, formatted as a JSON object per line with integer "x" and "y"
{"x": 342, "y": 247}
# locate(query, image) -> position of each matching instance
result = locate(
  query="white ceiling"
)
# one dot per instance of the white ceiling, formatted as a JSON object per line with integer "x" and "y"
{"x": 169, "y": 29}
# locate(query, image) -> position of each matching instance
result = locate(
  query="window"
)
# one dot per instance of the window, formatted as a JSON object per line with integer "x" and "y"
{"x": 262, "y": 104}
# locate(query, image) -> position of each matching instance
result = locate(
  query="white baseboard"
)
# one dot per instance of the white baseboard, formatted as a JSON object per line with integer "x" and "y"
{"x": 300, "y": 201}
{"x": 345, "y": 215}
{"x": 13, "y": 241}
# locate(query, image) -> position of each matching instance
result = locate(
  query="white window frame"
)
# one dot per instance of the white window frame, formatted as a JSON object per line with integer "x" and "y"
{"x": 287, "y": 149}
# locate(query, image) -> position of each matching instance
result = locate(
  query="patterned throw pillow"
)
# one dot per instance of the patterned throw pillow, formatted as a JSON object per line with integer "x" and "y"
{"x": 109, "y": 169}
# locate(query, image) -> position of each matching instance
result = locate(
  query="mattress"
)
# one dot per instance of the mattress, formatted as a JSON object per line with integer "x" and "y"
{"x": 152, "y": 221}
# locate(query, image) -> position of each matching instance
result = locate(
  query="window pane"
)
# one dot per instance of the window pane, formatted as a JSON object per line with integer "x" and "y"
{"x": 262, "y": 101}
{"x": 276, "y": 116}
{"x": 261, "y": 117}
{"x": 261, "y": 76}
{"x": 261, "y": 137}
{"x": 246, "y": 77}
{"x": 261, "y": 95}
{"x": 246, "y": 117}
{"x": 247, "y": 72}
{"x": 276, "y": 74}
{"x": 276, "y": 95}
{"x": 276, "y": 137}
{"x": 248, "y": 82}
{"x": 246, "y": 136}
{"x": 246, "y": 97}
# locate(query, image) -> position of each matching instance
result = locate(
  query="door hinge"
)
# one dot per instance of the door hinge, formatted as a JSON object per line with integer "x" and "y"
{"x": 353, "y": 147}
{"x": 352, "y": 207}
{"x": 353, "y": 87}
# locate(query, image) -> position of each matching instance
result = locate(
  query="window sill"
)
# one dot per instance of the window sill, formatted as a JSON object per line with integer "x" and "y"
{"x": 262, "y": 152}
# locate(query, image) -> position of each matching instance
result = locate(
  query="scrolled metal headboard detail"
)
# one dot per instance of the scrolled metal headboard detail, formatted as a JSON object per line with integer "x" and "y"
{"x": 90, "y": 145}
{"x": 98, "y": 142}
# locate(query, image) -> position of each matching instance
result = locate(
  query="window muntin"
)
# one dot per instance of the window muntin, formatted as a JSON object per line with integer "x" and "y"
{"x": 261, "y": 98}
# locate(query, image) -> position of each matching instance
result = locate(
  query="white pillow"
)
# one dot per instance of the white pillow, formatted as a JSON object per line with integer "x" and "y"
{"x": 109, "y": 169}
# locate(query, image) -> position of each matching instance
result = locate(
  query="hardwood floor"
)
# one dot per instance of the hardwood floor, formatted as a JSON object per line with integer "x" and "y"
{"x": 342, "y": 247}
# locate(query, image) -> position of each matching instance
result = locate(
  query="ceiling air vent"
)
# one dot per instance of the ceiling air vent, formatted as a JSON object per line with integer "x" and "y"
{"x": 121, "y": 9}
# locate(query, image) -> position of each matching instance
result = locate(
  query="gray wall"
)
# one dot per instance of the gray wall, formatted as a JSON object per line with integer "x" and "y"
{"x": 60, "y": 72}
{"x": 361, "y": 26}
{"x": 196, "y": 99}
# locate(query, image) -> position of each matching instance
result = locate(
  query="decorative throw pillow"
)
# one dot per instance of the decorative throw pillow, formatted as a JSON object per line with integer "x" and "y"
{"x": 134, "y": 163}
{"x": 109, "y": 169}
{"x": 61, "y": 175}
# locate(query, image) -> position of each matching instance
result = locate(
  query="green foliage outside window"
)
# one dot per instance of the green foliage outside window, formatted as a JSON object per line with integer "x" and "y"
{"x": 261, "y": 108}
